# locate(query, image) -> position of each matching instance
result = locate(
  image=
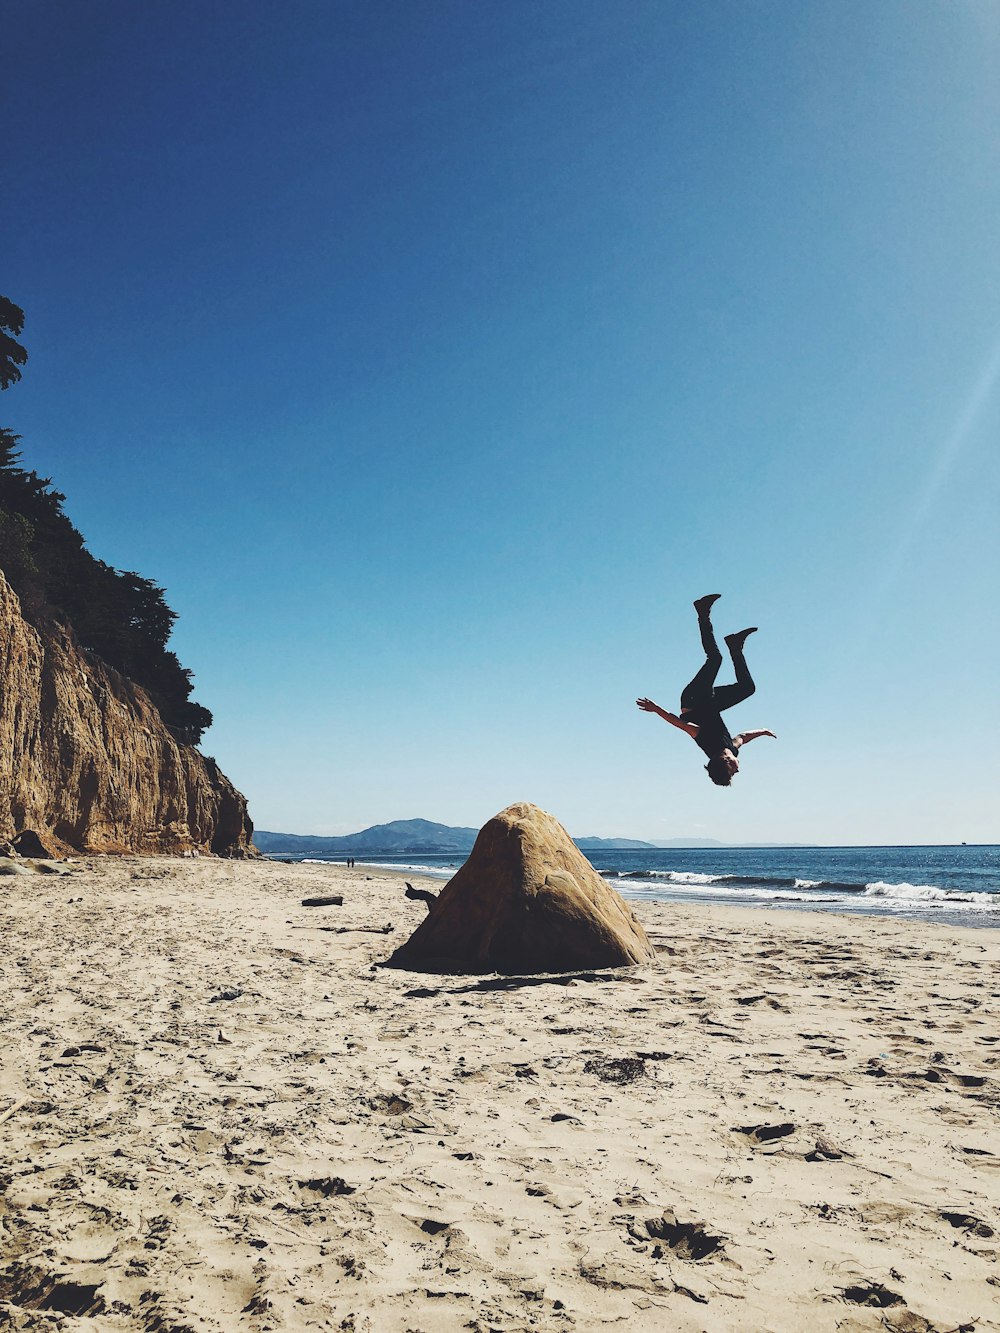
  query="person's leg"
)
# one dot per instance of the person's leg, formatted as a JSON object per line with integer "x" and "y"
{"x": 699, "y": 689}
{"x": 727, "y": 696}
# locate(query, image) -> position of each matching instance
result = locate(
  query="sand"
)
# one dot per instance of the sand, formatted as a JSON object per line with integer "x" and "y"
{"x": 217, "y": 1115}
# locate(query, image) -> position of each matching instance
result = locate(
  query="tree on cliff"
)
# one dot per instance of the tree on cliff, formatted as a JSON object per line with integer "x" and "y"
{"x": 12, "y": 354}
{"x": 119, "y": 615}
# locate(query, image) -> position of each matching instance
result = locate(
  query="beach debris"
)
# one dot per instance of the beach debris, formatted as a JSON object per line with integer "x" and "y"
{"x": 420, "y": 895}
{"x": 526, "y": 901}
{"x": 684, "y": 1240}
{"x": 13, "y": 1110}
{"x": 611, "y": 1070}
{"x": 326, "y": 900}
{"x": 233, "y": 993}
{"x": 387, "y": 929}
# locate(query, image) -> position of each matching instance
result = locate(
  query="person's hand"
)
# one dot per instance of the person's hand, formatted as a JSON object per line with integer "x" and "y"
{"x": 646, "y": 705}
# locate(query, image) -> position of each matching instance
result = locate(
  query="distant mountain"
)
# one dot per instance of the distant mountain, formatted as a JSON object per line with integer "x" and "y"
{"x": 422, "y": 837}
{"x": 610, "y": 844}
{"x": 415, "y": 837}
{"x": 693, "y": 842}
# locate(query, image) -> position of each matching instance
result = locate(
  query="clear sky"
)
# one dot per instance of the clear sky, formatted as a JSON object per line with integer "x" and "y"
{"x": 434, "y": 355}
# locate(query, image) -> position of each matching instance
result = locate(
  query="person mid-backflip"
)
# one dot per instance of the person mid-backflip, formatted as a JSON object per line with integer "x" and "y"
{"x": 703, "y": 703}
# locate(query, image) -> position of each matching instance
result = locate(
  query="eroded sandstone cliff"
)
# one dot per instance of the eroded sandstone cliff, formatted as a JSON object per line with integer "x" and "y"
{"x": 86, "y": 760}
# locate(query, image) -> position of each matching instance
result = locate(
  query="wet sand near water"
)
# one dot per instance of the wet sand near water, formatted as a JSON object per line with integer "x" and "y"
{"x": 215, "y": 1114}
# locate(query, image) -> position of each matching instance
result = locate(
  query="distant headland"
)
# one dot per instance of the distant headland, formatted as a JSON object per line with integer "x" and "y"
{"x": 423, "y": 837}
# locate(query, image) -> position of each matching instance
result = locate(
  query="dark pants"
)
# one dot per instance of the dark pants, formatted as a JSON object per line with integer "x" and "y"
{"x": 701, "y": 691}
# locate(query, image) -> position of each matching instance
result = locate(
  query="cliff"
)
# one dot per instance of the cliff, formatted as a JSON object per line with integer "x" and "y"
{"x": 86, "y": 761}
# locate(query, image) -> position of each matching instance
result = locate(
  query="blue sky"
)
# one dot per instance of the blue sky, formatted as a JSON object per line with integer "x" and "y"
{"x": 435, "y": 356}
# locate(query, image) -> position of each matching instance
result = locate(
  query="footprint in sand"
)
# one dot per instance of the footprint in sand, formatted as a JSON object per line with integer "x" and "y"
{"x": 972, "y": 1226}
{"x": 682, "y": 1240}
{"x": 33, "y": 1288}
{"x": 871, "y": 1294}
{"x": 765, "y": 1133}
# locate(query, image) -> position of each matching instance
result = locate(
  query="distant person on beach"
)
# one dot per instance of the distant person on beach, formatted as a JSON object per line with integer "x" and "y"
{"x": 703, "y": 703}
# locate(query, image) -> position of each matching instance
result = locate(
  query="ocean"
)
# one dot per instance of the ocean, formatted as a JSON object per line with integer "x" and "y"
{"x": 956, "y": 885}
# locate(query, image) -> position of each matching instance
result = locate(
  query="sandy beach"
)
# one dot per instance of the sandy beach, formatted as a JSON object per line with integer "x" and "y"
{"x": 219, "y": 1114}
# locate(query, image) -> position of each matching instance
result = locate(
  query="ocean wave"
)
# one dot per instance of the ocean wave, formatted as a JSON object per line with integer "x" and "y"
{"x": 431, "y": 872}
{"x": 757, "y": 890}
{"x": 931, "y": 893}
{"x": 831, "y": 885}
{"x": 674, "y": 876}
{"x": 754, "y": 881}
{"x": 678, "y": 890}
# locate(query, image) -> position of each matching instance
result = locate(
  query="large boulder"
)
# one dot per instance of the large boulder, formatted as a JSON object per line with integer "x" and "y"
{"x": 526, "y": 900}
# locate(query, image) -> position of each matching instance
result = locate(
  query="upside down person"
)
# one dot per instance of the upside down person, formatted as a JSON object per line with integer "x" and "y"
{"x": 703, "y": 703}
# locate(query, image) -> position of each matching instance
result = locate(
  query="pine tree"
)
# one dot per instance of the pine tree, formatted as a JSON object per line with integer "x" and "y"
{"x": 12, "y": 354}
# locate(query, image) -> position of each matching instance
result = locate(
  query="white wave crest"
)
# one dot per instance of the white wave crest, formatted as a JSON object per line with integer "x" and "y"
{"x": 431, "y": 872}
{"x": 731, "y": 893}
{"x": 931, "y": 893}
{"x": 690, "y": 877}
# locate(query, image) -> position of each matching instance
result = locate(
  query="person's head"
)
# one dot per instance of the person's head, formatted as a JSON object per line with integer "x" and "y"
{"x": 722, "y": 768}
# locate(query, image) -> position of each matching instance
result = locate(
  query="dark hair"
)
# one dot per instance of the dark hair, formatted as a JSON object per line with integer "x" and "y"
{"x": 718, "y": 770}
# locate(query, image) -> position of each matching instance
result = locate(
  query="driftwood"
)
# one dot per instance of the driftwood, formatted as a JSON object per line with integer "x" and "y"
{"x": 351, "y": 930}
{"x": 330, "y": 900}
{"x": 420, "y": 895}
{"x": 359, "y": 930}
{"x": 13, "y": 1110}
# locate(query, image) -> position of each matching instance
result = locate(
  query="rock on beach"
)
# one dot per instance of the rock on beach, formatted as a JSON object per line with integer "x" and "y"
{"x": 527, "y": 900}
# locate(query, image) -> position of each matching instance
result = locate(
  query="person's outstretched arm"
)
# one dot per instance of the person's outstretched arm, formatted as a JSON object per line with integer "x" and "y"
{"x": 745, "y": 736}
{"x": 648, "y": 706}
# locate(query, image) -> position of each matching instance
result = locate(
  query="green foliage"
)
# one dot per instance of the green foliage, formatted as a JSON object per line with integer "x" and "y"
{"x": 12, "y": 354}
{"x": 119, "y": 615}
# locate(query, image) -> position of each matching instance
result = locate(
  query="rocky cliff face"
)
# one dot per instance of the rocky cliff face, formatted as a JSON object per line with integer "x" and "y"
{"x": 86, "y": 761}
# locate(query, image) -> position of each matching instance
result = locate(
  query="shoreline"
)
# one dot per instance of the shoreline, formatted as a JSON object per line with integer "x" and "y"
{"x": 944, "y": 904}
{"x": 217, "y": 1113}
